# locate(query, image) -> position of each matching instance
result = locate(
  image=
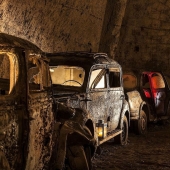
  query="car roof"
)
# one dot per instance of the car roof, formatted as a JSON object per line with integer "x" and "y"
{"x": 80, "y": 58}
{"x": 11, "y": 41}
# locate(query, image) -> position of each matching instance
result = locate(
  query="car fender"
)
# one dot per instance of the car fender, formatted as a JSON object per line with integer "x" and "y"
{"x": 135, "y": 103}
{"x": 144, "y": 106}
{"x": 125, "y": 111}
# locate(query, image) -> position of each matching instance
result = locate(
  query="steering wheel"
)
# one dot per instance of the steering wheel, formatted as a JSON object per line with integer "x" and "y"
{"x": 72, "y": 80}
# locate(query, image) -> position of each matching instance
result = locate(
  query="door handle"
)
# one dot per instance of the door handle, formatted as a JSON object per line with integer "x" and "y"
{"x": 122, "y": 97}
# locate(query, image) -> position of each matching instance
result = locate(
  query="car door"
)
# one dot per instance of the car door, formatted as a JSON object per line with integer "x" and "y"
{"x": 159, "y": 92}
{"x": 40, "y": 114}
{"x": 115, "y": 96}
{"x": 12, "y": 108}
{"x": 97, "y": 93}
{"x": 146, "y": 91}
{"x": 155, "y": 91}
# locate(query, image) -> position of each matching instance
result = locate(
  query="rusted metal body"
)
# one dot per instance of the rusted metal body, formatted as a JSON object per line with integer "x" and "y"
{"x": 138, "y": 107}
{"x": 26, "y": 118}
{"x": 95, "y": 85}
{"x": 147, "y": 92}
{"x": 135, "y": 103}
{"x": 74, "y": 144}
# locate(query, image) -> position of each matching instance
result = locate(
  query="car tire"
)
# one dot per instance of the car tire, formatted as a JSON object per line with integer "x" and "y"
{"x": 123, "y": 137}
{"x": 141, "y": 124}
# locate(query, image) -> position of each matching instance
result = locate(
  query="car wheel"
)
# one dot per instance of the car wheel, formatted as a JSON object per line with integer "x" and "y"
{"x": 141, "y": 124}
{"x": 123, "y": 137}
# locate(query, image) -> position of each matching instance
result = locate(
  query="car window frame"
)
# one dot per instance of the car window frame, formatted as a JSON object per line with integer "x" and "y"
{"x": 110, "y": 66}
{"x": 13, "y": 80}
{"x": 95, "y": 67}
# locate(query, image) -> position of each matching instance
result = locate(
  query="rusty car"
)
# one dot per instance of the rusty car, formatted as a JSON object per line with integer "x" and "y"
{"x": 138, "y": 107}
{"x": 25, "y": 105}
{"x": 92, "y": 82}
{"x": 148, "y": 93}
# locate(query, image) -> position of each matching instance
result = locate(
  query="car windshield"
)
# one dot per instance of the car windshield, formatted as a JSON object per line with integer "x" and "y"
{"x": 129, "y": 81}
{"x": 67, "y": 75}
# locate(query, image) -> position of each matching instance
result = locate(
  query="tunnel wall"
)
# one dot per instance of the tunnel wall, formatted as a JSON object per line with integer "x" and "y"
{"x": 144, "y": 41}
{"x": 54, "y": 25}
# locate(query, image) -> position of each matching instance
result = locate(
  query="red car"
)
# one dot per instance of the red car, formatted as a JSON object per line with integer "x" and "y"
{"x": 154, "y": 96}
{"x": 155, "y": 92}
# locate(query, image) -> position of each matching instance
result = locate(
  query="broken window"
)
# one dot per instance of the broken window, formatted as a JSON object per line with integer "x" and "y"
{"x": 98, "y": 79}
{"x": 67, "y": 75}
{"x": 38, "y": 73}
{"x": 8, "y": 72}
{"x": 114, "y": 77}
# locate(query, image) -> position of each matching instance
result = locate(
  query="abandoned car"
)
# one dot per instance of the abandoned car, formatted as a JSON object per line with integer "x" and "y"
{"x": 157, "y": 94}
{"x": 150, "y": 90}
{"x": 92, "y": 82}
{"x": 25, "y": 106}
{"x": 138, "y": 107}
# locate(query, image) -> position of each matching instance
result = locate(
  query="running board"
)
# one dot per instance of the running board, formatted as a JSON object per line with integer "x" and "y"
{"x": 112, "y": 135}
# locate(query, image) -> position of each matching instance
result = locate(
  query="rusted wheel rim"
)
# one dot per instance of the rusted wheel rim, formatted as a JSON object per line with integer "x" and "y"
{"x": 143, "y": 123}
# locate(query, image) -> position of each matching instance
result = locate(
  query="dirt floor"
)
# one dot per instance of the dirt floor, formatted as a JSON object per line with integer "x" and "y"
{"x": 149, "y": 152}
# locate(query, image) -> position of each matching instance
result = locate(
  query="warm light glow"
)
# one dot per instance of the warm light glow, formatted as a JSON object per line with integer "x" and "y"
{"x": 9, "y": 67}
{"x": 101, "y": 129}
{"x": 67, "y": 75}
{"x": 157, "y": 81}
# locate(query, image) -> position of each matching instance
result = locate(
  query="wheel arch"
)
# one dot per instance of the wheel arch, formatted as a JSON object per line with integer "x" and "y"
{"x": 125, "y": 112}
{"x": 89, "y": 123}
{"x": 145, "y": 108}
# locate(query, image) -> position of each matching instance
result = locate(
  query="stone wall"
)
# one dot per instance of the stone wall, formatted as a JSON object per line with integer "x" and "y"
{"x": 144, "y": 41}
{"x": 54, "y": 25}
